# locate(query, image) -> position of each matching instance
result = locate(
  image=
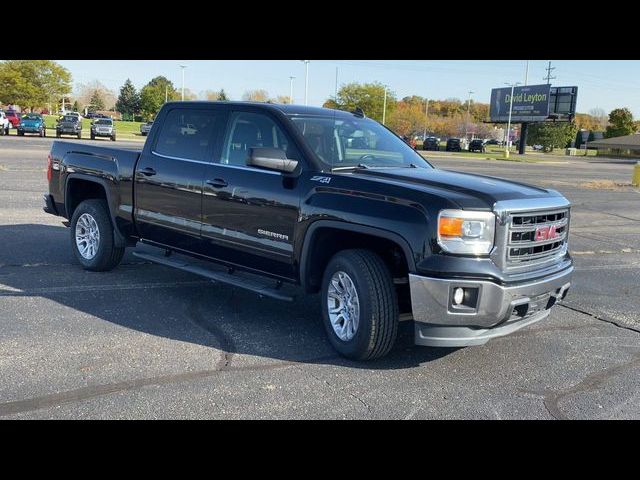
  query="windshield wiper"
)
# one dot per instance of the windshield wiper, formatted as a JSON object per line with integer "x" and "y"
{"x": 351, "y": 167}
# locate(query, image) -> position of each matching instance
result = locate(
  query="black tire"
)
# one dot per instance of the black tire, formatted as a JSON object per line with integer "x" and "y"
{"x": 378, "y": 319}
{"x": 42, "y": 134}
{"x": 80, "y": 135}
{"x": 6, "y": 131}
{"x": 57, "y": 135}
{"x": 93, "y": 137}
{"x": 107, "y": 255}
{"x": 113, "y": 139}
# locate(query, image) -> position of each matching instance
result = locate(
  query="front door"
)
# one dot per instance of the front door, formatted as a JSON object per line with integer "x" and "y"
{"x": 169, "y": 177}
{"x": 249, "y": 214}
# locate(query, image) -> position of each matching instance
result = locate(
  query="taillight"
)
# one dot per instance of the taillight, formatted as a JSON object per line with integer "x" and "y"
{"x": 49, "y": 168}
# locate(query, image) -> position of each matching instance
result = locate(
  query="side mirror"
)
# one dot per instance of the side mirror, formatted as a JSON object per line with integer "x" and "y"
{"x": 271, "y": 159}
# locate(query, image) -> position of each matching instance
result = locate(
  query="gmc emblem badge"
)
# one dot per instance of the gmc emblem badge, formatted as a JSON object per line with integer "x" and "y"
{"x": 546, "y": 233}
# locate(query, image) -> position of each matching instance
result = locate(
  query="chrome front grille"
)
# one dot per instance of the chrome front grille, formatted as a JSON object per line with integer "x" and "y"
{"x": 536, "y": 237}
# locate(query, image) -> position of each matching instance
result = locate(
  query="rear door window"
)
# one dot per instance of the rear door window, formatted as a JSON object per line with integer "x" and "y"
{"x": 188, "y": 134}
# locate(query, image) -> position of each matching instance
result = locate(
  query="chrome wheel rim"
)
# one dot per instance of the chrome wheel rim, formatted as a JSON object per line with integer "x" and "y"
{"x": 87, "y": 236}
{"x": 343, "y": 306}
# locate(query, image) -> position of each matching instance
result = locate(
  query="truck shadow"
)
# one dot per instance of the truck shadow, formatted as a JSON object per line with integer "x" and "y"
{"x": 37, "y": 261}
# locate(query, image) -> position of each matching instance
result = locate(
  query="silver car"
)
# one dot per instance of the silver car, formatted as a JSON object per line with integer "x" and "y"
{"x": 103, "y": 127}
{"x": 145, "y": 128}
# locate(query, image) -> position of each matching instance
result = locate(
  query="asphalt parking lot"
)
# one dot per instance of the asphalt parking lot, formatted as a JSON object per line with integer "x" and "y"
{"x": 145, "y": 341}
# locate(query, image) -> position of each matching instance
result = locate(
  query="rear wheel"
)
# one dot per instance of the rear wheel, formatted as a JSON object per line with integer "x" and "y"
{"x": 113, "y": 138}
{"x": 93, "y": 137}
{"x": 79, "y": 135}
{"x": 92, "y": 237}
{"x": 360, "y": 307}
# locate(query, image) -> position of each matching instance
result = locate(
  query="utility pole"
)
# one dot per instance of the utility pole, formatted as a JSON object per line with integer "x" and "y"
{"x": 526, "y": 73}
{"x": 549, "y": 69}
{"x": 384, "y": 105}
{"x": 426, "y": 117}
{"x": 506, "y": 146}
{"x": 291, "y": 89}
{"x": 336, "y": 92}
{"x": 306, "y": 81}
{"x": 466, "y": 124}
{"x": 183, "y": 67}
{"x": 166, "y": 93}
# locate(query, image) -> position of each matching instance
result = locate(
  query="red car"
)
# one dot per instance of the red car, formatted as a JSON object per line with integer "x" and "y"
{"x": 13, "y": 117}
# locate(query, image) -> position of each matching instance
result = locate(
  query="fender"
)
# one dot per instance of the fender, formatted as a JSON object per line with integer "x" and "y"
{"x": 118, "y": 238}
{"x": 351, "y": 227}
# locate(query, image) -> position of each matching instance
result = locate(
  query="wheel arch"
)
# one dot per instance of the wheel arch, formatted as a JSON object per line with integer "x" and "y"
{"x": 314, "y": 256}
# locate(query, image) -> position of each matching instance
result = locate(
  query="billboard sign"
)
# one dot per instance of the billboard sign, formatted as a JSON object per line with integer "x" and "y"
{"x": 530, "y": 104}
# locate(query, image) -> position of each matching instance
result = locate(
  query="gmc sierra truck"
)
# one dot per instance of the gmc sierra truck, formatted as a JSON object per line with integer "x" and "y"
{"x": 328, "y": 200}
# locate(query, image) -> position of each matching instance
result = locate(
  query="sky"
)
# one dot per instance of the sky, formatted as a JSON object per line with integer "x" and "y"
{"x": 605, "y": 84}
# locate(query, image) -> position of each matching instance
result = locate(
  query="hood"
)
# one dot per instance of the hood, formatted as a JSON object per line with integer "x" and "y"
{"x": 31, "y": 123}
{"x": 67, "y": 124}
{"x": 467, "y": 190}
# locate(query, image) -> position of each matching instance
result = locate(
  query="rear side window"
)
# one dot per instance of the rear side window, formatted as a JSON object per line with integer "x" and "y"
{"x": 188, "y": 134}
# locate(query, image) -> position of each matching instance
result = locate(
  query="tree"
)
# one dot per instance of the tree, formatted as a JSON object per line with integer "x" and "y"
{"x": 33, "y": 83}
{"x": 75, "y": 107}
{"x": 255, "y": 96}
{"x": 407, "y": 119}
{"x": 367, "y": 96}
{"x": 600, "y": 117}
{"x": 620, "y": 123}
{"x": 552, "y": 134}
{"x": 96, "y": 102}
{"x": 129, "y": 99}
{"x": 85, "y": 91}
{"x": 152, "y": 96}
{"x": 222, "y": 96}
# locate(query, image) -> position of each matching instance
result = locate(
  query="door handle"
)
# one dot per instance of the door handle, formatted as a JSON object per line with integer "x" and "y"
{"x": 217, "y": 183}
{"x": 148, "y": 171}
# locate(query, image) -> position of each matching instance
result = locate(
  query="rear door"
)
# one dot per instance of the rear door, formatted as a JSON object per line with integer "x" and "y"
{"x": 169, "y": 176}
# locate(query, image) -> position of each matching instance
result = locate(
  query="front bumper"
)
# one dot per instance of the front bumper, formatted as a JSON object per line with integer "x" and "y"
{"x": 499, "y": 309}
{"x": 103, "y": 134}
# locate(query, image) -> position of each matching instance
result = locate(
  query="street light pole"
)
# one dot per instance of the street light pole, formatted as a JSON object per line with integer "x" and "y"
{"x": 291, "y": 89}
{"x": 466, "y": 124}
{"x": 384, "y": 105}
{"x": 426, "y": 116}
{"x": 306, "y": 81}
{"x": 507, "y": 141}
{"x": 526, "y": 73}
{"x": 183, "y": 67}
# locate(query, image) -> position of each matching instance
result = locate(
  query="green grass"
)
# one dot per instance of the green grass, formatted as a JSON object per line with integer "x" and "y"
{"x": 124, "y": 130}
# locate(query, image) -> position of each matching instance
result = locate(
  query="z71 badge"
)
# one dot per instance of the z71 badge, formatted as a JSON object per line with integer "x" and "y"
{"x": 318, "y": 178}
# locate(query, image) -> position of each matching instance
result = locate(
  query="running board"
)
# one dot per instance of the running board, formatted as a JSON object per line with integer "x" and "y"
{"x": 222, "y": 277}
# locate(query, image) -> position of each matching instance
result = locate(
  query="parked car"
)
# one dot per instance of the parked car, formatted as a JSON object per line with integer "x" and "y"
{"x": 5, "y": 125}
{"x": 410, "y": 141}
{"x": 13, "y": 117}
{"x": 431, "y": 143}
{"x": 145, "y": 128}
{"x": 493, "y": 141}
{"x": 69, "y": 125}
{"x": 453, "y": 145}
{"x": 103, "y": 127}
{"x": 92, "y": 115}
{"x": 32, "y": 123}
{"x": 477, "y": 145}
{"x": 538, "y": 147}
{"x": 376, "y": 230}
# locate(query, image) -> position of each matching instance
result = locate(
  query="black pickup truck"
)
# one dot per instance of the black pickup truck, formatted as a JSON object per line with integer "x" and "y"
{"x": 328, "y": 200}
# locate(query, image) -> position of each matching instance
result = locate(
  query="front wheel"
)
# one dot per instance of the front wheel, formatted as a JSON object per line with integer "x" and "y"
{"x": 113, "y": 139}
{"x": 92, "y": 237}
{"x": 79, "y": 135}
{"x": 359, "y": 305}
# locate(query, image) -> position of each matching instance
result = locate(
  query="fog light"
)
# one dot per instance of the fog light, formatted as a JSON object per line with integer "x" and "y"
{"x": 458, "y": 296}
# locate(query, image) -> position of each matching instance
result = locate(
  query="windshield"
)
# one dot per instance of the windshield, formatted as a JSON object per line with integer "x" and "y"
{"x": 69, "y": 118}
{"x": 340, "y": 142}
{"x": 31, "y": 117}
{"x": 103, "y": 122}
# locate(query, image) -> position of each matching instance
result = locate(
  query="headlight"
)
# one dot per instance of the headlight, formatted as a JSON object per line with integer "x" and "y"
{"x": 466, "y": 232}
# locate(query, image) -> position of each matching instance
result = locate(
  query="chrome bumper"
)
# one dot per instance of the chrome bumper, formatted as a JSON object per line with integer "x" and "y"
{"x": 499, "y": 310}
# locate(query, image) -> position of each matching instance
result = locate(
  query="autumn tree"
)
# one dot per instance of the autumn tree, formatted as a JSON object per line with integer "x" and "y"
{"x": 408, "y": 118}
{"x": 620, "y": 123}
{"x": 259, "y": 95}
{"x": 85, "y": 91}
